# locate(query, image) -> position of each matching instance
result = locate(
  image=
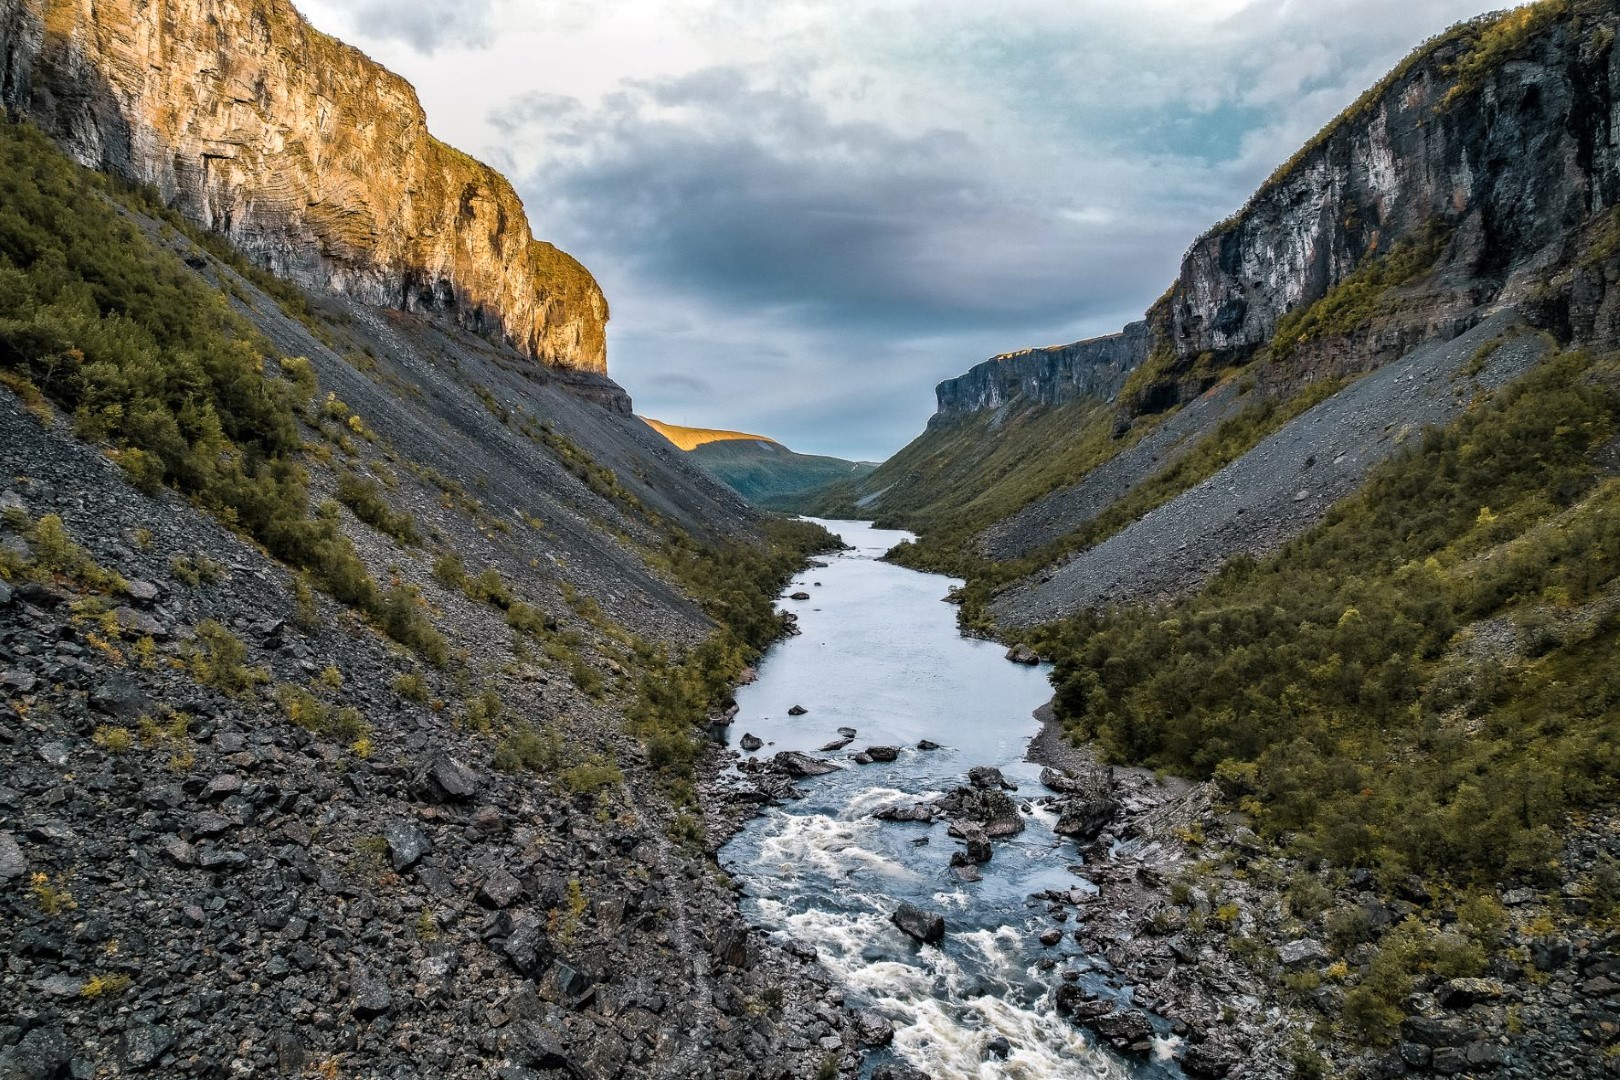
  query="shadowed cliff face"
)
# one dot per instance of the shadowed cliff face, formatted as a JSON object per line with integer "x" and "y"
{"x": 314, "y": 161}
{"x": 1050, "y": 376}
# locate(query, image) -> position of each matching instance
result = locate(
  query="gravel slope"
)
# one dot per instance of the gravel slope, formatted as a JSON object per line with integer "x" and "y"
{"x": 1285, "y": 484}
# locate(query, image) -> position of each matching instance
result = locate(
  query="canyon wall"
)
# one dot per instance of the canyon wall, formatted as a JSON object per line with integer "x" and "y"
{"x": 315, "y": 161}
{"x": 1497, "y": 137}
{"x": 1048, "y": 376}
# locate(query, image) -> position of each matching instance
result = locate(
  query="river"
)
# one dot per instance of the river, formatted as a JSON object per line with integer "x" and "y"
{"x": 881, "y": 653}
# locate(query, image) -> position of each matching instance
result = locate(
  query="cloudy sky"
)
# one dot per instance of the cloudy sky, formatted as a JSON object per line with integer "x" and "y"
{"x": 805, "y": 213}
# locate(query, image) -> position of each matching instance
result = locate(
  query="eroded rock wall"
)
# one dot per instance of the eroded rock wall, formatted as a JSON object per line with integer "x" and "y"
{"x": 1049, "y": 376}
{"x": 314, "y": 160}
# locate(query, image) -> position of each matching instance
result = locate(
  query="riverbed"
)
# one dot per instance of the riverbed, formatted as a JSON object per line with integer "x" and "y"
{"x": 880, "y": 653}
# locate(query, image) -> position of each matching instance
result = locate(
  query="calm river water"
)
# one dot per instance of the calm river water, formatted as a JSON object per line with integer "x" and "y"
{"x": 881, "y": 654}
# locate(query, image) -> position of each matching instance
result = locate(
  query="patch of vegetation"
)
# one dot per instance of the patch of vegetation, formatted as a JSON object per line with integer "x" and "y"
{"x": 146, "y": 357}
{"x": 737, "y": 586}
{"x": 1329, "y": 682}
{"x": 219, "y": 659}
{"x": 369, "y": 504}
{"x": 1349, "y": 304}
{"x": 196, "y": 569}
{"x": 1496, "y": 40}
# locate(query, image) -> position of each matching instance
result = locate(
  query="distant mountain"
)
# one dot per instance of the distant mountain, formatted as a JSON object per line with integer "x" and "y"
{"x": 761, "y": 470}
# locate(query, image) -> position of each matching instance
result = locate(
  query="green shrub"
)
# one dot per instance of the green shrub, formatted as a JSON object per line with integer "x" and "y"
{"x": 370, "y": 506}
{"x": 218, "y": 659}
{"x": 412, "y": 687}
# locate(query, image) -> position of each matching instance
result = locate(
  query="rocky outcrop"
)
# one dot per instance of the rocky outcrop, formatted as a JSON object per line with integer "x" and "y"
{"x": 1049, "y": 376}
{"x": 312, "y": 159}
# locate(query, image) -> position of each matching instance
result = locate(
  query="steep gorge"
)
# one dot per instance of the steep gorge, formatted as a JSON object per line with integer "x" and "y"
{"x": 312, "y": 159}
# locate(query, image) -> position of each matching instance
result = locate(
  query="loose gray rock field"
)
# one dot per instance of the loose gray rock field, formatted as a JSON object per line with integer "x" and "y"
{"x": 1251, "y": 506}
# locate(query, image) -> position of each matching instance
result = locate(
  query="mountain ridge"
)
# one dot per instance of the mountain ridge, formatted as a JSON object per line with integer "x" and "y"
{"x": 315, "y": 161}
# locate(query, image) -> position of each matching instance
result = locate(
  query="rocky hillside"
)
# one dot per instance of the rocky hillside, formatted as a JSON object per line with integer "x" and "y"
{"x": 312, "y": 159}
{"x": 355, "y": 676}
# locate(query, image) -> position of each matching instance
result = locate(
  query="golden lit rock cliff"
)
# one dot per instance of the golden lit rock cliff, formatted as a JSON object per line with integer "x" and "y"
{"x": 313, "y": 159}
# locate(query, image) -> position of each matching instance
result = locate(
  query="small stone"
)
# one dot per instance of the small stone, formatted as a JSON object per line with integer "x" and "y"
{"x": 55, "y": 754}
{"x": 799, "y": 596}
{"x": 1050, "y": 938}
{"x": 13, "y": 863}
{"x": 223, "y": 785}
{"x": 143, "y": 1044}
{"x": 450, "y": 779}
{"x": 1461, "y": 993}
{"x": 142, "y": 592}
{"x": 120, "y": 696}
{"x": 873, "y": 1029}
{"x": 499, "y": 890}
{"x": 370, "y": 992}
{"x": 1023, "y": 654}
{"x": 928, "y": 744}
{"x": 178, "y": 851}
{"x": 406, "y": 845}
{"x": 1302, "y": 953}
{"x": 797, "y": 710}
{"x": 802, "y": 765}
{"x": 62, "y": 986}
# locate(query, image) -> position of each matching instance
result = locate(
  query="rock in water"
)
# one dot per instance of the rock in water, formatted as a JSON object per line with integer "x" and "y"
{"x": 882, "y": 753}
{"x": 800, "y": 596}
{"x": 750, "y": 743}
{"x": 796, "y": 763}
{"x": 797, "y": 710}
{"x": 927, "y": 927}
{"x": 1023, "y": 654}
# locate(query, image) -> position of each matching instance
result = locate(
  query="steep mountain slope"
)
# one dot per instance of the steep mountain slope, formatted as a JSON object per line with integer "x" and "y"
{"x": 761, "y": 470}
{"x": 313, "y": 160}
{"x": 355, "y": 671}
{"x": 1478, "y": 176}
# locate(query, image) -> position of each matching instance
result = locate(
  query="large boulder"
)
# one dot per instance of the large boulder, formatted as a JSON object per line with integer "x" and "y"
{"x": 927, "y": 927}
{"x": 799, "y": 764}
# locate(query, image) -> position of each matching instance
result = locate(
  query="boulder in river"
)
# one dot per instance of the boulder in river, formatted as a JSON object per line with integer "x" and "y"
{"x": 800, "y": 596}
{"x": 988, "y": 776}
{"x": 882, "y": 753}
{"x": 750, "y": 743}
{"x": 847, "y": 732}
{"x": 1127, "y": 1030}
{"x": 927, "y": 927}
{"x": 928, "y": 744}
{"x": 797, "y": 710}
{"x": 797, "y": 763}
{"x": 836, "y": 744}
{"x": 1023, "y": 654}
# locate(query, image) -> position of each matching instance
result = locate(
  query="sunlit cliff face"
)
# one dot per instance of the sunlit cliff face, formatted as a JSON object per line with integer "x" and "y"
{"x": 312, "y": 159}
